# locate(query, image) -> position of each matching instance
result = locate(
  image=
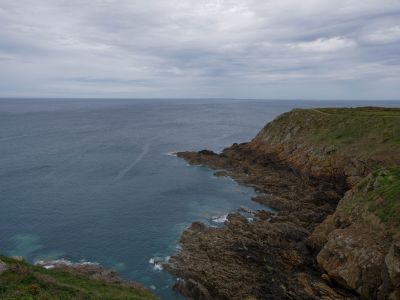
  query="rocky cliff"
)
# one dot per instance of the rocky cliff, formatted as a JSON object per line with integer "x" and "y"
{"x": 333, "y": 143}
{"x": 359, "y": 245}
{"x": 312, "y": 248}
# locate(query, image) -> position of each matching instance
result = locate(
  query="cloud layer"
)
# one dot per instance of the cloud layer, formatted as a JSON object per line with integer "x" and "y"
{"x": 322, "y": 49}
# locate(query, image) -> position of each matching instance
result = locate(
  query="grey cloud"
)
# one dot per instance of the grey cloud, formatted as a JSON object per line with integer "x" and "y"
{"x": 203, "y": 48}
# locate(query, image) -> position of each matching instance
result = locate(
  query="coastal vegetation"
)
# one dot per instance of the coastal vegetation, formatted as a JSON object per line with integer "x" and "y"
{"x": 21, "y": 280}
{"x": 364, "y": 130}
{"x": 379, "y": 194}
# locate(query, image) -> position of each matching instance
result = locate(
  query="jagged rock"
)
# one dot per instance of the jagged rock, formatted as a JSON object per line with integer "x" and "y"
{"x": 304, "y": 161}
{"x": 357, "y": 248}
{"x": 192, "y": 289}
{"x": 353, "y": 257}
{"x": 221, "y": 173}
{"x": 392, "y": 261}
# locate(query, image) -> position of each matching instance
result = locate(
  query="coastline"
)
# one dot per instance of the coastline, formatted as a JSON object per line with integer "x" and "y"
{"x": 278, "y": 256}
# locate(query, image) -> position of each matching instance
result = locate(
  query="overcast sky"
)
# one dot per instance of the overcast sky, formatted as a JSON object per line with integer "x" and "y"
{"x": 308, "y": 49}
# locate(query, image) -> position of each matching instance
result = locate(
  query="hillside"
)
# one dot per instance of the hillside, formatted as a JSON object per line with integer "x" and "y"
{"x": 359, "y": 245}
{"x": 20, "y": 280}
{"x": 332, "y": 175}
{"x": 333, "y": 142}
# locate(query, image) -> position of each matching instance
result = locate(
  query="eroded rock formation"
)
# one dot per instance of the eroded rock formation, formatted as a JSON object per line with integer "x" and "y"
{"x": 303, "y": 162}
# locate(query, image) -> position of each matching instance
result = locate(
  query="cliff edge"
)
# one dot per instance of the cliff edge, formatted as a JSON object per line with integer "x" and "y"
{"x": 332, "y": 176}
{"x": 333, "y": 142}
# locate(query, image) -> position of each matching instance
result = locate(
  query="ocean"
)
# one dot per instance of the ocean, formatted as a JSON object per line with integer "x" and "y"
{"x": 95, "y": 179}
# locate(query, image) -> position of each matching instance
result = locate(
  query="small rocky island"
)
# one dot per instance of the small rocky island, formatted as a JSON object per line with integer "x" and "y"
{"x": 333, "y": 176}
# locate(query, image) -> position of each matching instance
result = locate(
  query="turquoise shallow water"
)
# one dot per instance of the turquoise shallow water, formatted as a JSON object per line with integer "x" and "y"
{"x": 92, "y": 179}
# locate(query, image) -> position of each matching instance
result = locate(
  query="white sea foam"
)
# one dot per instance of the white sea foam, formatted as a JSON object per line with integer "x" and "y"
{"x": 158, "y": 262}
{"x": 171, "y": 154}
{"x": 50, "y": 264}
{"x": 219, "y": 219}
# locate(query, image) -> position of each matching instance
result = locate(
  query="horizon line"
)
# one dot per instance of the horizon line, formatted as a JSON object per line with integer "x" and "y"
{"x": 192, "y": 98}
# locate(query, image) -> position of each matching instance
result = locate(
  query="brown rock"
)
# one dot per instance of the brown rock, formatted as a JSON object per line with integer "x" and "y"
{"x": 319, "y": 236}
{"x": 192, "y": 289}
{"x": 304, "y": 179}
{"x": 392, "y": 261}
{"x": 353, "y": 257}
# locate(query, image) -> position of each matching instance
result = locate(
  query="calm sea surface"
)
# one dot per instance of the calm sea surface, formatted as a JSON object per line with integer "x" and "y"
{"x": 92, "y": 179}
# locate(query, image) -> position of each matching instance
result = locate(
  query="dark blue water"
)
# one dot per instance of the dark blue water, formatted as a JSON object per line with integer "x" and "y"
{"x": 90, "y": 179}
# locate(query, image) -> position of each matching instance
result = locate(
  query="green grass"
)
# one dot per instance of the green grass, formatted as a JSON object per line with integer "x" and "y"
{"x": 362, "y": 111}
{"x": 363, "y": 131}
{"x": 25, "y": 281}
{"x": 366, "y": 129}
{"x": 370, "y": 135}
{"x": 379, "y": 194}
{"x": 388, "y": 189}
{"x": 374, "y": 127}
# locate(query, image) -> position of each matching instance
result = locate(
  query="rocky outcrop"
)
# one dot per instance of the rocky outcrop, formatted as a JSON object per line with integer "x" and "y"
{"x": 358, "y": 246}
{"x": 333, "y": 143}
{"x": 90, "y": 270}
{"x": 392, "y": 261}
{"x": 306, "y": 200}
{"x": 264, "y": 259}
{"x": 303, "y": 163}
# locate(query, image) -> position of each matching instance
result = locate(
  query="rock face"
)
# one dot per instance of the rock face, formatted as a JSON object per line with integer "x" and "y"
{"x": 245, "y": 260}
{"x": 303, "y": 162}
{"x": 266, "y": 258}
{"x": 333, "y": 143}
{"x": 392, "y": 261}
{"x": 359, "y": 244}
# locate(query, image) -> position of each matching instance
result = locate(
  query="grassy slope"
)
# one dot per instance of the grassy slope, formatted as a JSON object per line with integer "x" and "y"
{"x": 364, "y": 131}
{"x": 370, "y": 131}
{"x": 25, "y": 281}
{"x": 379, "y": 194}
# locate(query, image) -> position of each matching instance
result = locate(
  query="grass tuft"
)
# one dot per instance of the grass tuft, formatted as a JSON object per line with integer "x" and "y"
{"x": 379, "y": 194}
